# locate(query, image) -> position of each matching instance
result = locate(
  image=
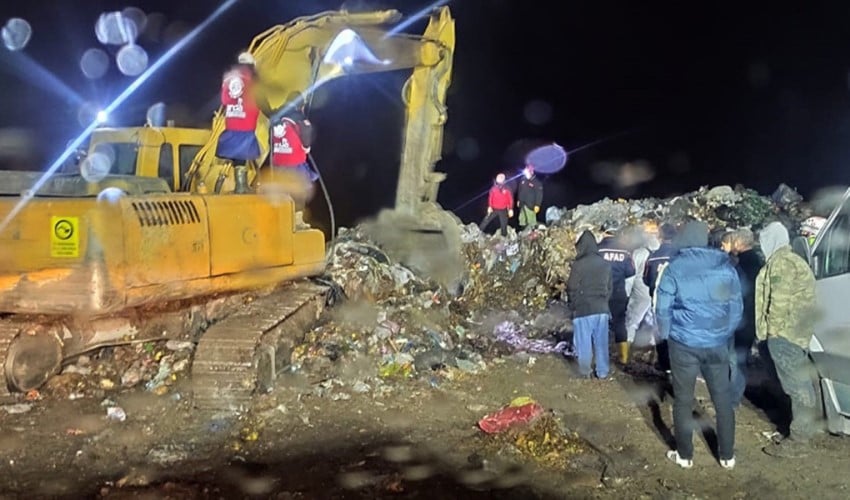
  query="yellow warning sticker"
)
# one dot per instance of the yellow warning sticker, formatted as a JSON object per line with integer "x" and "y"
{"x": 64, "y": 237}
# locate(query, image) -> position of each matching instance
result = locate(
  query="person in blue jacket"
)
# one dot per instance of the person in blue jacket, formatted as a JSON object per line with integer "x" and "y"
{"x": 699, "y": 305}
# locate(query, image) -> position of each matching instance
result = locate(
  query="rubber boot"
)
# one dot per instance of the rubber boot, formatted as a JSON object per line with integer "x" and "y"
{"x": 624, "y": 352}
{"x": 240, "y": 173}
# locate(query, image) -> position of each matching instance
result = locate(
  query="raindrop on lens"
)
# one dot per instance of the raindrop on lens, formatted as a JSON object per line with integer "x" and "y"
{"x": 156, "y": 115}
{"x": 94, "y": 63}
{"x": 138, "y": 16}
{"x": 110, "y": 195}
{"x": 467, "y": 149}
{"x": 16, "y": 33}
{"x": 114, "y": 28}
{"x": 132, "y": 60}
{"x": 95, "y": 167}
{"x": 538, "y": 112}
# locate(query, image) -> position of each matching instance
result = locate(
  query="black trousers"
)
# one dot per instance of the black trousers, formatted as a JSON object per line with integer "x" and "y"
{"x": 503, "y": 220}
{"x": 618, "y": 305}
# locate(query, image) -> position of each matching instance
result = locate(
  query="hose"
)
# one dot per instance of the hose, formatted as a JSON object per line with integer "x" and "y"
{"x": 327, "y": 198}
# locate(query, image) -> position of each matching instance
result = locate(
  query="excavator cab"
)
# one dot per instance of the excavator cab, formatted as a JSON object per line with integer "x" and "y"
{"x": 163, "y": 152}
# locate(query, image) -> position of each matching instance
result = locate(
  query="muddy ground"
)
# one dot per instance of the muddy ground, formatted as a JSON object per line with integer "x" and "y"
{"x": 418, "y": 441}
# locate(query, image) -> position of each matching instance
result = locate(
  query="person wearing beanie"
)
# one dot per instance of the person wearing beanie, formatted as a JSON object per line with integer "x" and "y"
{"x": 699, "y": 307}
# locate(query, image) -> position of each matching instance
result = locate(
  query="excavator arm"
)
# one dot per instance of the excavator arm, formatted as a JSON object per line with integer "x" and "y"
{"x": 310, "y": 51}
{"x": 304, "y": 54}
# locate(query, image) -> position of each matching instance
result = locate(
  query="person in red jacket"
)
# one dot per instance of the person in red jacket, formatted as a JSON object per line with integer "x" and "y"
{"x": 500, "y": 204}
{"x": 238, "y": 142}
{"x": 292, "y": 136}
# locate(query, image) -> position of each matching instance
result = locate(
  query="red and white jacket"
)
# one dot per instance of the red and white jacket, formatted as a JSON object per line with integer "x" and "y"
{"x": 288, "y": 149}
{"x": 237, "y": 99}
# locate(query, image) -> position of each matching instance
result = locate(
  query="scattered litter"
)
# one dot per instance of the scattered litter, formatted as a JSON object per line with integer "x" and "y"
{"x": 520, "y": 411}
{"x": 16, "y": 409}
{"x": 116, "y": 413}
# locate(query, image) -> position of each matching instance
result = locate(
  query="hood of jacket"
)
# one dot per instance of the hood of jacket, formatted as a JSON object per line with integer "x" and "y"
{"x": 773, "y": 237}
{"x": 702, "y": 257}
{"x": 694, "y": 234}
{"x": 586, "y": 245}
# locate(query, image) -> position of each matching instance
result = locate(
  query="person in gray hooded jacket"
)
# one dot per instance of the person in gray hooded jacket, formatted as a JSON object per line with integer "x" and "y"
{"x": 785, "y": 314}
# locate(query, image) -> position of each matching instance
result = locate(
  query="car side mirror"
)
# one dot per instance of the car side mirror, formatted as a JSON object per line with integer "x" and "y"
{"x": 801, "y": 247}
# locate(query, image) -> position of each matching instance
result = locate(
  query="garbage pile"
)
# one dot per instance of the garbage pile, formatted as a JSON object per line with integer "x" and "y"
{"x": 721, "y": 207}
{"x": 154, "y": 366}
{"x": 526, "y": 429}
{"x": 511, "y": 298}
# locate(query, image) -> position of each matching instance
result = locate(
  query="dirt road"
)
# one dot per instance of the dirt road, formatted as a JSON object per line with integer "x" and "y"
{"x": 417, "y": 441}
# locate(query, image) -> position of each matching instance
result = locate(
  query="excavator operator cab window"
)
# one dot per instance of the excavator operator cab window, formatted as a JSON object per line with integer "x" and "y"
{"x": 166, "y": 164}
{"x": 126, "y": 157}
{"x": 186, "y": 153}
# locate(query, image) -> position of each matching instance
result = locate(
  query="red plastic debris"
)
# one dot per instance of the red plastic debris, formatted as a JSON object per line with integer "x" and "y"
{"x": 510, "y": 416}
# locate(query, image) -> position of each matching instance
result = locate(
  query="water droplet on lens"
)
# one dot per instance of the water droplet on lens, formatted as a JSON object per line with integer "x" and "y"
{"x": 94, "y": 63}
{"x": 132, "y": 60}
{"x": 16, "y": 33}
{"x": 95, "y": 167}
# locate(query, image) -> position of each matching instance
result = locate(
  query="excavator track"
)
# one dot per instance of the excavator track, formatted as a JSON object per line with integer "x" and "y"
{"x": 8, "y": 331}
{"x": 242, "y": 353}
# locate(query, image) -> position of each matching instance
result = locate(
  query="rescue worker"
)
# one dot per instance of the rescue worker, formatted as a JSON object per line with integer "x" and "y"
{"x": 529, "y": 197}
{"x": 639, "y": 316}
{"x": 292, "y": 137}
{"x": 239, "y": 100}
{"x": 741, "y": 245}
{"x": 785, "y": 313}
{"x": 699, "y": 306}
{"x": 613, "y": 250}
{"x": 499, "y": 204}
{"x": 588, "y": 291}
{"x": 655, "y": 265}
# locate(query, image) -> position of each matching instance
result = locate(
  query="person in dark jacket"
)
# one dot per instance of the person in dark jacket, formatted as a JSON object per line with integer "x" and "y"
{"x": 529, "y": 197}
{"x": 740, "y": 244}
{"x": 588, "y": 291}
{"x": 699, "y": 307}
{"x": 613, "y": 250}
{"x": 655, "y": 264}
{"x": 500, "y": 203}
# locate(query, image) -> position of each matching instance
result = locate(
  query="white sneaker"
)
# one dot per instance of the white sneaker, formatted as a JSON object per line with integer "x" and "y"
{"x": 728, "y": 464}
{"x": 673, "y": 455}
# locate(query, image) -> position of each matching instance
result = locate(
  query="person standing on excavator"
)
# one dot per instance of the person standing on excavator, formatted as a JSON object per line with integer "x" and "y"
{"x": 529, "y": 197}
{"x": 238, "y": 142}
{"x": 292, "y": 136}
{"x": 613, "y": 250}
{"x": 499, "y": 204}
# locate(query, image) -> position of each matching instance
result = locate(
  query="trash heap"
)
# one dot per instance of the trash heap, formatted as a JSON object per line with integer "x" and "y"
{"x": 397, "y": 324}
{"x": 154, "y": 366}
{"x": 511, "y": 295}
{"x": 526, "y": 429}
{"x": 721, "y": 207}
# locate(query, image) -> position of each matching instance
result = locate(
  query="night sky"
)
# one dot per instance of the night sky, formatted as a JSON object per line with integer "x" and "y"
{"x": 744, "y": 92}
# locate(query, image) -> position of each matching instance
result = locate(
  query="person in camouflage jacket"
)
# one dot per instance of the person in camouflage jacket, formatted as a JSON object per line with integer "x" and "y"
{"x": 785, "y": 305}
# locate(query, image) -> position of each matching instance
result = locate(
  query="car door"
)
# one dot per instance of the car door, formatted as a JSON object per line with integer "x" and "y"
{"x": 830, "y": 345}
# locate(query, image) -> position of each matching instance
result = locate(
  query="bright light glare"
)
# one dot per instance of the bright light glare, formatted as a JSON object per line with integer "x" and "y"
{"x": 102, "y": 116}
{"x": 347, "y": 48}
{"x": 76, "y": 143}
{"x": 415, "y": 17}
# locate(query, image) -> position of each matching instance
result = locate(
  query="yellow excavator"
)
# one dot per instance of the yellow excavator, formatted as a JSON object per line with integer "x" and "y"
{"x": 149, "y": 252}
